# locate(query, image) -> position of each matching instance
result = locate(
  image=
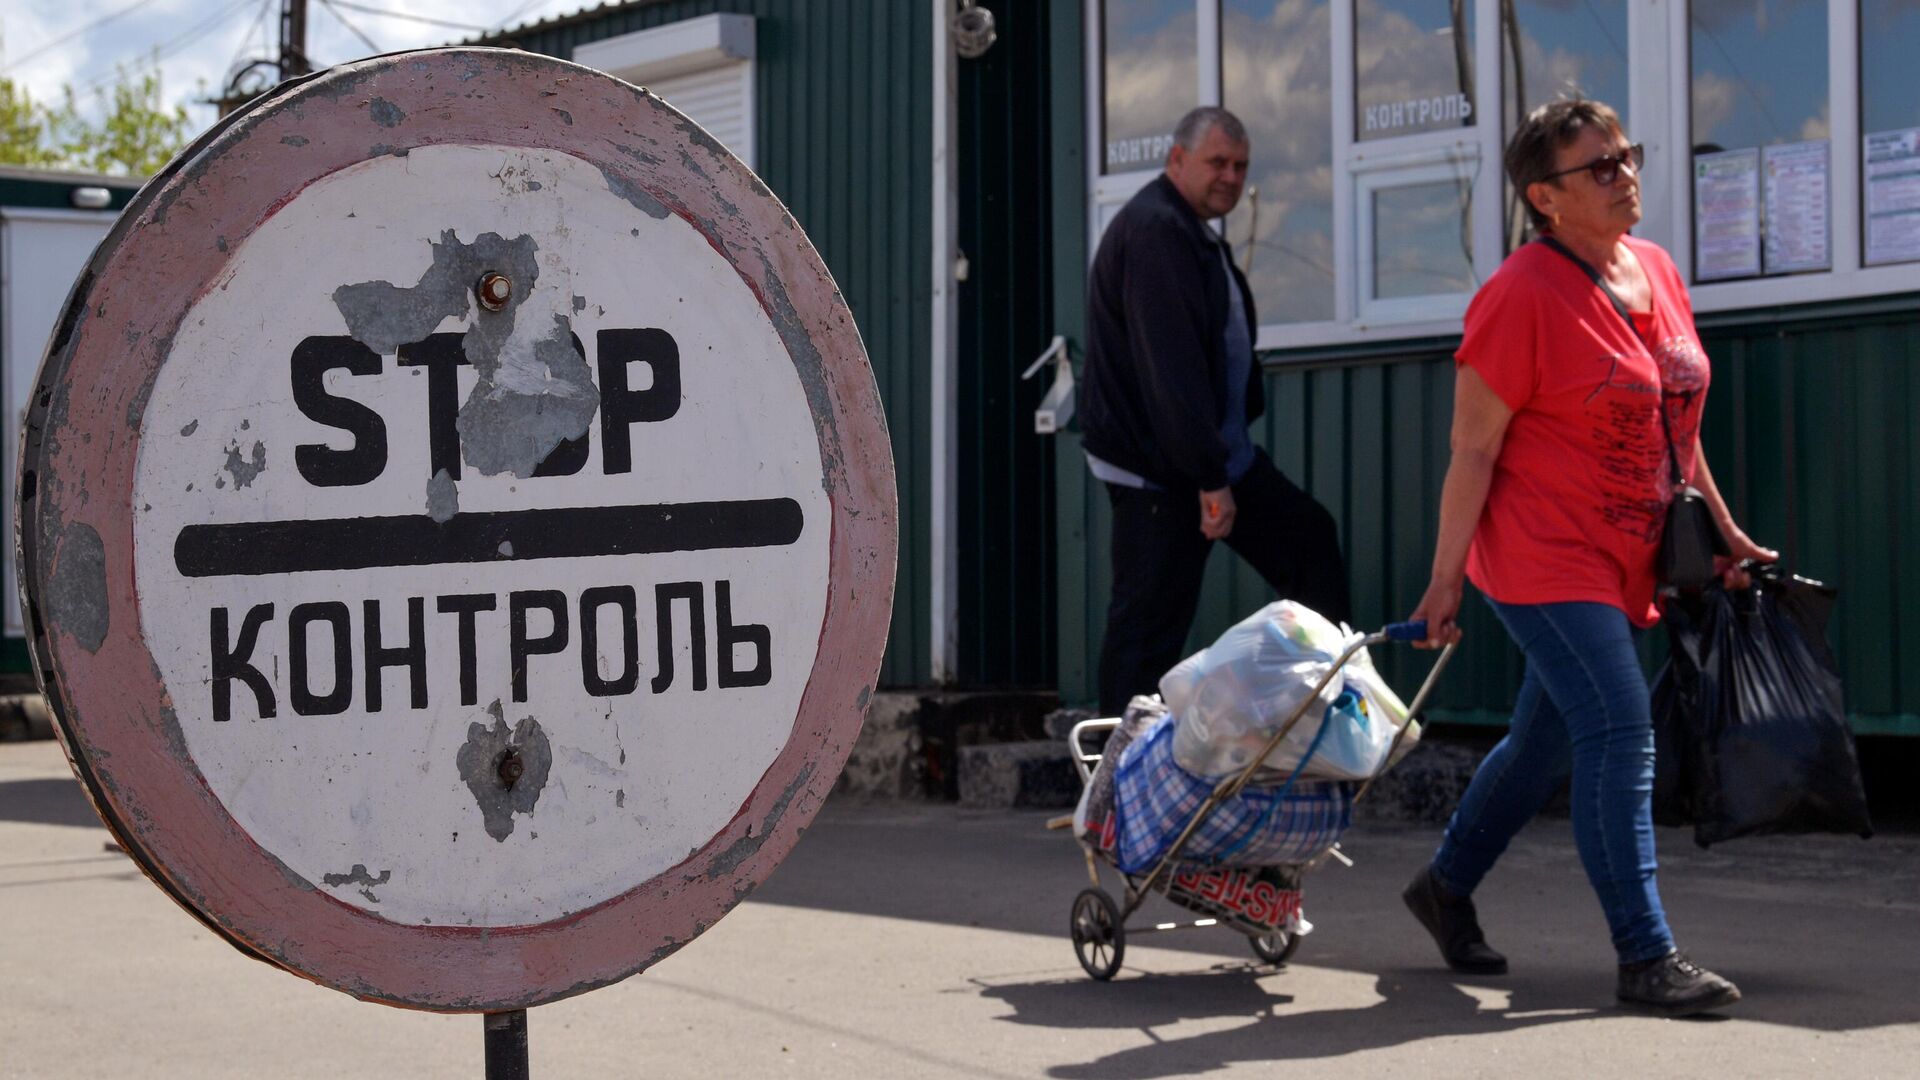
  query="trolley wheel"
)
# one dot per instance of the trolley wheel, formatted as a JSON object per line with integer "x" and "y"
{"x": 1099, "y": 940}
{"x": 1275, "y": 947}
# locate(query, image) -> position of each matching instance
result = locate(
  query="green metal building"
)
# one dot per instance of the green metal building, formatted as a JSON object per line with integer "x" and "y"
{"x": 957, "y": 199}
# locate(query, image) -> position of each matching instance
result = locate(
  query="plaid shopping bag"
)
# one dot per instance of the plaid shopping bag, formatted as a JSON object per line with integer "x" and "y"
{"x": 1154, "y": 799}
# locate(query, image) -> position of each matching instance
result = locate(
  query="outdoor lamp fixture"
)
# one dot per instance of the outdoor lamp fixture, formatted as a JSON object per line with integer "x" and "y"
{"x": 973, "y": 32}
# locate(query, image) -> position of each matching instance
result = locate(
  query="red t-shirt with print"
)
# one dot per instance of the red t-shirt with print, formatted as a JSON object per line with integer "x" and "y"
{"x": 1581, "y": 486}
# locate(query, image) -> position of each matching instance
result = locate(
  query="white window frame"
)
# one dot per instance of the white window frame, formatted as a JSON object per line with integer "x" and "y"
{"x": 682, "y": 48}
{"x": 1849, "y": 278}
{"x": 1107, "y": 192}
{"x": 1457, "y": 161}
{"x": 1660, "y": 112}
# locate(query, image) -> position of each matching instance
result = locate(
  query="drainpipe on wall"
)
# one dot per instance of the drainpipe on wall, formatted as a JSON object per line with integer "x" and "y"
{"x": 944, "y": 576}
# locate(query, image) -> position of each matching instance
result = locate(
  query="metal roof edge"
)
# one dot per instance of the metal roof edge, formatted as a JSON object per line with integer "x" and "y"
{"x": 57, "y": 176}
{"x": 505, "y": 36}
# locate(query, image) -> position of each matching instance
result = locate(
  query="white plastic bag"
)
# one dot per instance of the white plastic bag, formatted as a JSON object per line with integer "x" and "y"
{"x": 1364, "y": 677}
{"x": 1230, "y": 698}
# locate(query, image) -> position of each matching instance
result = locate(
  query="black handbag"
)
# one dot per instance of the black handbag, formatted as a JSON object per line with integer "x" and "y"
{"x": 1688, "y": 539}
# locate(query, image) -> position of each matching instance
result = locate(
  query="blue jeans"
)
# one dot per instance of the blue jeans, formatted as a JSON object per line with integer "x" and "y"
{"x": 1583, "y": 710}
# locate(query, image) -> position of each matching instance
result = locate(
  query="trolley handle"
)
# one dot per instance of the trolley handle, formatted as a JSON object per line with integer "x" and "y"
{"x": 1405, "y": 631}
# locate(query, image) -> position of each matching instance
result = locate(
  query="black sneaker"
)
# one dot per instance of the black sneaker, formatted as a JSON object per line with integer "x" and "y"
{"x": 1454, "y": 926}
{"x": 1675, "y": 986}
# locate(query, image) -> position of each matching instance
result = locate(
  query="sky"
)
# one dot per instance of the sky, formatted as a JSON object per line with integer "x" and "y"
{"x": 48, "y": 44}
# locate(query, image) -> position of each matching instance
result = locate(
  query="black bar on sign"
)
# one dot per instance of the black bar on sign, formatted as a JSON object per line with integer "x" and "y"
{"x": 286, "y": 547}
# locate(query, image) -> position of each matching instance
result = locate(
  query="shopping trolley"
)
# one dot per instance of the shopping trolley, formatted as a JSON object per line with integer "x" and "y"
{"x": 1261, "y": 902}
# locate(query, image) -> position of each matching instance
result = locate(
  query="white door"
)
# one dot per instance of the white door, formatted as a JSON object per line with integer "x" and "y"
{"x": 41, "y": 253}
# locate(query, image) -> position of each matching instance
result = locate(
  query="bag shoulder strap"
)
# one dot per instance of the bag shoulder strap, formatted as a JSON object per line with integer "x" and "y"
{"x": 1673, "y": 451}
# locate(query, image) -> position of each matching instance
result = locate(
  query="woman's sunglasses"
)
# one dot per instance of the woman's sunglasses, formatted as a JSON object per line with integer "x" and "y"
{"x": 1606, "y": 169}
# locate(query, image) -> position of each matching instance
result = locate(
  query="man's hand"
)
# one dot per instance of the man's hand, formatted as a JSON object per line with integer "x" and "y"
{"x": 1216, "y": 513}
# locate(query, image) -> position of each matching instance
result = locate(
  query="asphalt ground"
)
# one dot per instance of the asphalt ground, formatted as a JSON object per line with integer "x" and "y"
{"x": 917, "y": 940}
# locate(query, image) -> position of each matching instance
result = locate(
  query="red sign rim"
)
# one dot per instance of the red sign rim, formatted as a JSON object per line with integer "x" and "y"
{"x": 76, "y": 533}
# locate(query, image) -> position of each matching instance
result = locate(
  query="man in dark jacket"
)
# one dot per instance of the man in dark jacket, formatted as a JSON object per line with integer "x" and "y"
{"x": 1169, "y": 389}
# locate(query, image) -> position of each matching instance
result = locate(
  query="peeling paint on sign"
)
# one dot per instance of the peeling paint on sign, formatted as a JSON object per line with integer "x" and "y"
{"x": 384, "y": 316}
{"x": 620, "y": 185}
{"x": 528, "y": 401}
{"x": 480, "y": 764}
{"x": 77, "y": 596}
{"x": 245, "y": 470}
{"x": 443, "y": 497}
{"x": 357, "y": 876}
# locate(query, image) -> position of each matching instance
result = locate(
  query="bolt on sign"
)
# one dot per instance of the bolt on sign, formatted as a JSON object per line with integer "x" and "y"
{"x": 459, "y": 526}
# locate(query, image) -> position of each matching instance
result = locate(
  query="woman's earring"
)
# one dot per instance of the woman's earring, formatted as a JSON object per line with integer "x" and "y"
{"x": 1556, "y": 221}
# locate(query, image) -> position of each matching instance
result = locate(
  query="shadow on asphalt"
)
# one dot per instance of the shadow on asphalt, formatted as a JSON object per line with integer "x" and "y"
{"x": 1806, "y": 952}
{"x": 1413, "y": 1005}
{"x": 46, "y": 801}
{"x": 1820, "y": 935}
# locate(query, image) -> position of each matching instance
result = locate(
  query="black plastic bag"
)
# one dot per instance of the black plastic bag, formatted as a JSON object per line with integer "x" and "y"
{"x": 1750, "y": 732}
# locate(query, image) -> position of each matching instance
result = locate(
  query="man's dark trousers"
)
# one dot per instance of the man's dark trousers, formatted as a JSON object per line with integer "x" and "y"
{"x": 1160, "y": 556}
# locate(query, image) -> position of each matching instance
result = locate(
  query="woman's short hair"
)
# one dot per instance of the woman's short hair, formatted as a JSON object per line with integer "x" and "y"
{"x": 1536, "y": 143}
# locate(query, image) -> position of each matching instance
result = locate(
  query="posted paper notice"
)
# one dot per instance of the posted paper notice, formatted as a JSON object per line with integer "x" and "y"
{"x": 1726, "y": 214}
{"x": 1798, "y": 207}
{"x": 1893, "y": 196}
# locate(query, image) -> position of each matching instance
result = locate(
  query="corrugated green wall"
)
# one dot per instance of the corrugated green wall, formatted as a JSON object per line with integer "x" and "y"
{"x": 1816, "y": 414}
{"x": 1813, "y": 427}
{"x": 843, "y": 134}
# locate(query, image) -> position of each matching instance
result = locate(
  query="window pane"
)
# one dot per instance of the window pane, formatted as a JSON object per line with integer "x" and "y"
{"x": 1150, "y": 76}
{"x": 1760, "y": 82}
{"x": 1552, "y": 49}
{"x": 1413, "y": 66}
{"x": 1277, "y": 65}
{"x": 1890, "y": 118}
{"x": 1422, "y": 243}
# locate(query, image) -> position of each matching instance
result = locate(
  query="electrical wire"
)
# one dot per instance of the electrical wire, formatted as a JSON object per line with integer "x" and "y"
{"x": 338, "y": 14}
{"x": 407, "y": 15}
{"x": 71, "y": 34}
{"x": 530, "y": 5}
{"x": 233, "y": 65}
{"x": 185, "y": 38}
{"x": 1700, "y": 25}
{"x": 1606, "y": 31}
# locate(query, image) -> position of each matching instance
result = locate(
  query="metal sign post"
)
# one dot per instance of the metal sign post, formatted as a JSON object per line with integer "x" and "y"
{"x": 458, "y": 524}
{"x": 507, "y": 1045}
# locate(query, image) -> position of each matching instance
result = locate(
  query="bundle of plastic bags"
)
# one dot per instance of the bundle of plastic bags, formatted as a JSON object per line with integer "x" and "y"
{"x": 1231, "y": 698}
{"x": 1750, "y": 727}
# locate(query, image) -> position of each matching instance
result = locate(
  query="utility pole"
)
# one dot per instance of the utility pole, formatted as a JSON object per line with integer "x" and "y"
{"x": 293, "y": 39}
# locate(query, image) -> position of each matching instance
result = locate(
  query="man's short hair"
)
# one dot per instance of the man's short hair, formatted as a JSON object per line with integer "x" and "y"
{"x": 1194, "y": 126}
{"x": 1537, "y": 141}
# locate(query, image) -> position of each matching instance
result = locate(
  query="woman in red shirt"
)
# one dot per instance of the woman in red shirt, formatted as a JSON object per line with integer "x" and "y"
{"x": 1553, "y": 505}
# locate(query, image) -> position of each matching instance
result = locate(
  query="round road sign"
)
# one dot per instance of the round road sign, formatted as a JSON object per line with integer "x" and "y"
{"x": 458, "y": 521}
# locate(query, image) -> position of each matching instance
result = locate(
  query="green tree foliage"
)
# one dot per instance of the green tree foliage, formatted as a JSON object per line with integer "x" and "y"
{"x": 24, "y": 129}
{"x": 135, "y": 133}
{"x": 131, "y": 132}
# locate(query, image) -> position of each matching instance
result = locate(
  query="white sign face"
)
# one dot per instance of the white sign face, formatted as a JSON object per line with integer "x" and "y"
{"x": 377, "y": 586}
{"x": 1893, "y": 196}
{"x": 1726, "y": 215}
{"x": 1798, "y": 208}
